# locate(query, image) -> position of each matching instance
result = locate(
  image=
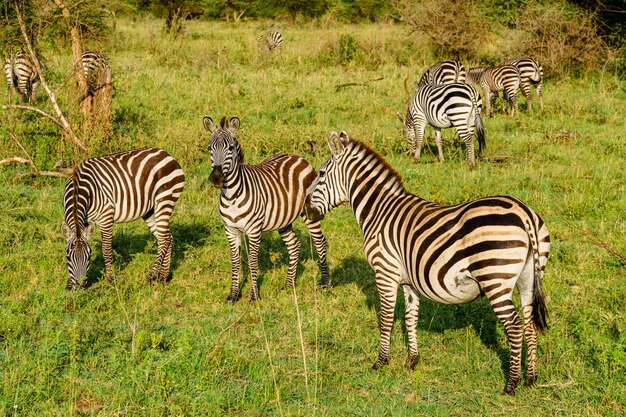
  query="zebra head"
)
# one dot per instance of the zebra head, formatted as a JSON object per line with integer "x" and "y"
{"x": 329, "y": 188}
{"x": 77, "y": 253}
{"x": 226, "y": 153}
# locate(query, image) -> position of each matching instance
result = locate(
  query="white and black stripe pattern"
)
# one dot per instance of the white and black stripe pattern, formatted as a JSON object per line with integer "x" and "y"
{"x": 270, "y": 41}
{"x": 97, "y": 70}
{"x": 142, "y": 183}
{"x": 444, "y": 72}
{"x": 494, "y": 79}
{"x": 442, "y": 106}
{"x": 449, "y": 254}
{"x": 531, "y": 74}
{"x": 258, "y": 198}
{"x": 21, "y": 75}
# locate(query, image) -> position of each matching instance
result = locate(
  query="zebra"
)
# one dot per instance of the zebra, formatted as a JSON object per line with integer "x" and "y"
{"x": 271, "y": 40}
{"x": 21, "y": 75}
{"x": 493, "y": 79}
{"x": 449, "y": 254}
{"x": 441, "y": 106}
{"x": 97, "y": 70}
{"x": 444, "y": 72}
{"x": 531, "y": 73}
{"x": 117, "y": 188}
{"x": 258, "y": 198}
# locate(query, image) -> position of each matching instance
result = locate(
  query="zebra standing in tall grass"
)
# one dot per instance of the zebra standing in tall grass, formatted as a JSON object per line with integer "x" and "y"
{"x": 441, "y": 106}
{"x": 97, "y": 70}
{"x": 259, "y": 198}
{"x": 21, "y": 75}
{"x": 270, "y": 41}
{"x": 531, "y": 73}
{"x": 120, "y": 188}
{"x": 444, "y": 72}
{"x": 493, "y": 79}
{"x": 449, "y": 254}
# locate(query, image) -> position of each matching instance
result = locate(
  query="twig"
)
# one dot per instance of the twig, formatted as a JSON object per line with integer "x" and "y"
{"x": 29, "y": 161}
{"x": 36, "y": 110}
{"x": 14, "y": 159}
{"x": 363, "y": 84}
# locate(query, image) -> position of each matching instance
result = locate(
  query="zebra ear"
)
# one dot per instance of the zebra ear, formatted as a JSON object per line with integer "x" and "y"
{"x": 209, "y": 124}
{"x": 233, "y": 124}
{"x": 66, "y": 230}
{"x": 89, "y": 230}
{"x": 335, "y": 143}
{"x": 344, "y": 138}
{"x": 399, "y": 116}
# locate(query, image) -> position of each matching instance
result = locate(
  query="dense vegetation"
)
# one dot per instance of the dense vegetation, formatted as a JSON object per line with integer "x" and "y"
{"x": 128, "y": 348}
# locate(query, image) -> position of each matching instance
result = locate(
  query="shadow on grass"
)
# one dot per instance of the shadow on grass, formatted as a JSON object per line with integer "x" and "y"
{"x": 433, "y": 316}
{"x": 127, "y": 244}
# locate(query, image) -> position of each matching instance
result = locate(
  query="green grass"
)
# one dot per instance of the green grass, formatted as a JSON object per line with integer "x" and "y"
{"x": 129, "y": 348}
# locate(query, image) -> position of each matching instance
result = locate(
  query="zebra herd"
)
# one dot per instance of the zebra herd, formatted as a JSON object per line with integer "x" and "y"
{"x": 448, "y": 254}
{"x": 22, "y": 77}
{"x": 444, "y": 97}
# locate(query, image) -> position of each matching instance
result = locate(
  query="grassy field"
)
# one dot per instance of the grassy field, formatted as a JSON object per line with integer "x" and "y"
{"x": 132, "y": 349}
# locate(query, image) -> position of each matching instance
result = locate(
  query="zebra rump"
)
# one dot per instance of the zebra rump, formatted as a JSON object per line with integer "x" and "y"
{"x": 21, "y": 75}
{"x": 444, "y": 72}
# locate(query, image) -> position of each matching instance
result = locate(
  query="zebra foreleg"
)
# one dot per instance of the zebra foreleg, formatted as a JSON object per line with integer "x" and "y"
{"x": 106, "y": 229}
{"x": 411, "y": 302}
{"x": 387, "y": 293}
{"x": 320, "y": 247}
{"x": 234, "y": 242}
{"x": 293, "y": 248}
{"x": 419, "y": 128}
{"x": 254, "y": 239}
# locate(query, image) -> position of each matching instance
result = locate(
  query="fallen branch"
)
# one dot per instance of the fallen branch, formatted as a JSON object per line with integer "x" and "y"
{"x": 363, "y": 84}
{"x": 36, "y": 110}
{"x": 29, "y": 161}
{"x": 15, "y": 159}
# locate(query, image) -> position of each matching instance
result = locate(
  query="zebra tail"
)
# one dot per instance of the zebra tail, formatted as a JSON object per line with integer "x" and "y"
{"x": 540, "y": 310}
{"x": 480, "y": 129}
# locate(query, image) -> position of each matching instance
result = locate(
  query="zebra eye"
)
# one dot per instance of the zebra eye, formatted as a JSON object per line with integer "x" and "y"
{"x": 322, "y": 174}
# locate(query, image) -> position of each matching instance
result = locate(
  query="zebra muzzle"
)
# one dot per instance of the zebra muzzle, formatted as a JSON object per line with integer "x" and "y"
{"x": 217, "y": 176}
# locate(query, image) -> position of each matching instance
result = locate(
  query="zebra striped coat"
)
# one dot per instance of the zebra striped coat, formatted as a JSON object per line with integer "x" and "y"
{"x": 97, "y": 70}
{"x": 449, "y": 254}
{"x": 258, "y": 198}
{"x": 444, "y": 72}
{"x": 494, "y": 79}
{"x": 442, "y": 106}
{"x": 142, "y": 183}
{"x": 531, "y": 73}
{"x": 270, "y": 41}
{"x": 21, "y": 75}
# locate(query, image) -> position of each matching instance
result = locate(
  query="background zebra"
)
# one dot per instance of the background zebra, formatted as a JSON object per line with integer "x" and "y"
{"x": 21, "y": 75}
{"x": 493, "y": 79}
{"x": 449, "y": 254}
{"x": 269, "y": 41}
{"x": 444, "y": 72}
{"x": 258, "y": 198}
{"x": 119, "y": 188}
{"x": 441, "y": 106}
{"x": 97, "y": 70}
{"x": 531, "y": 73}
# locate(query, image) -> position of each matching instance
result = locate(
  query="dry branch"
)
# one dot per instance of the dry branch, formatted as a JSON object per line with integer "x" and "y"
{"x": 29, "y": 161}
{"x": 36, "y": 110}
{"x": 340, "y": 86}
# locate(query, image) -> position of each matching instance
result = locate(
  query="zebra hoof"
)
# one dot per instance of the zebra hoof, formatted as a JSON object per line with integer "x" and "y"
{"x": 324, "y": 286}
{"x": 509, "y": 391}
{"x": 530, "y": 380}
{"x": 232, "y": 298}
{"x": 380, "y": 363}
{"x": 412, "y": 361}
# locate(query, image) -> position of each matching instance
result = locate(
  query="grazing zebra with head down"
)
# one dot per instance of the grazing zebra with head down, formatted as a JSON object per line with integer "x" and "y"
{"x": 444, "y": 72}
{"x": 120, "y": 188}
{"x": 269, "y": 41}
{"x": 97, "y": 70}
{"x": 441, "y": 106}
{"x": 259, "y": 198}
{"x": 449, "y": 254}
{"x": 21, "y": 75}
{"x": 531, "y": 73}
{"x": 493, "y": 79}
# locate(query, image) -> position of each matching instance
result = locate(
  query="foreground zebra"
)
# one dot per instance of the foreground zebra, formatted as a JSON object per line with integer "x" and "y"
{"x": 444, "y": 72}
{"x": 120, "y": 188}
{"x": 21, "y": 75}
{"x": 270, "y": 40}
{"x": 259, "y": 198}
{"x": 494, "y": 79}
{"x": 531, "y": 73}
{"x": 449, "y": 254}
{"x": 441, "y": 106}
{"x": 97, "y": 70}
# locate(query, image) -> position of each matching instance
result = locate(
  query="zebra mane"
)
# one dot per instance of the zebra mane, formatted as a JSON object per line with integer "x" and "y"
{"x": 367, "y": 150}
{"x": 74, "y": 179}
{"x": 223, "y": 122}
